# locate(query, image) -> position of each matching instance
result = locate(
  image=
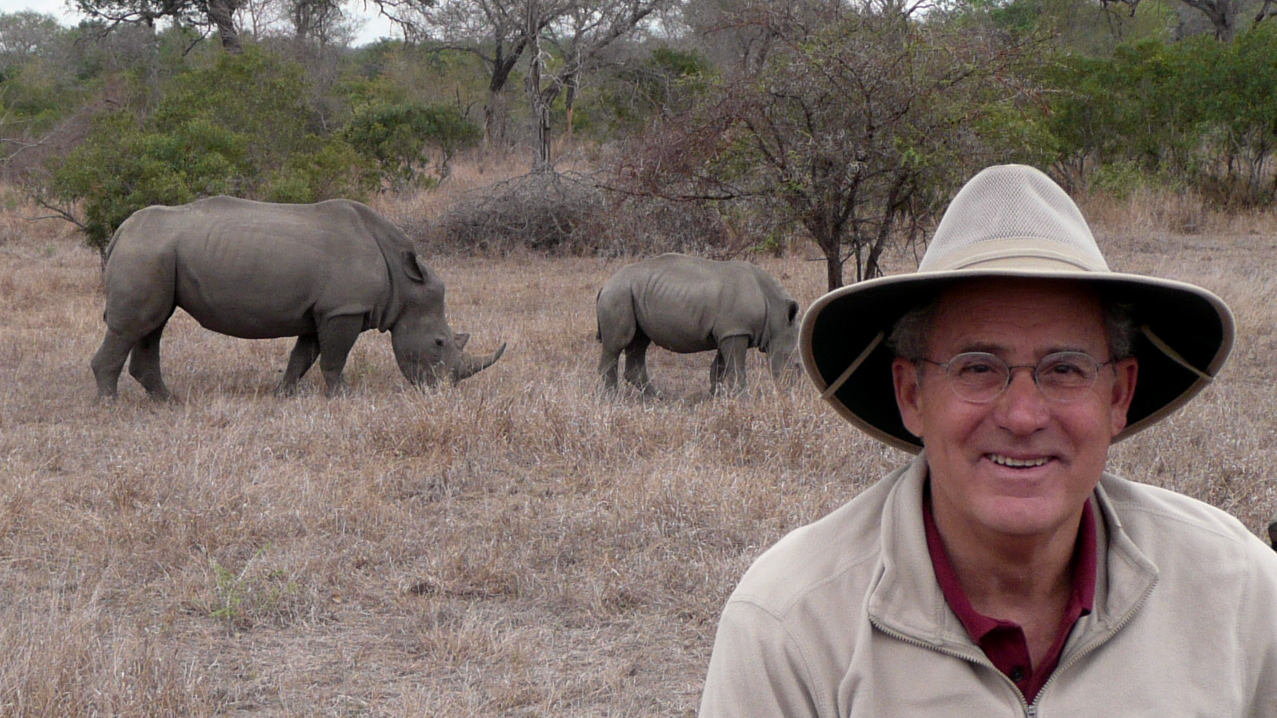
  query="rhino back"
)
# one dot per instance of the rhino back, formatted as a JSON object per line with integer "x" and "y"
{"x": 690, "y": 304}
{"x": 259, "y": 270}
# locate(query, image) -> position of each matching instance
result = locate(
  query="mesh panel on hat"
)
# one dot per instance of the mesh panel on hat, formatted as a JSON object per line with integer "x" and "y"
{"x": 1010, "y": 202}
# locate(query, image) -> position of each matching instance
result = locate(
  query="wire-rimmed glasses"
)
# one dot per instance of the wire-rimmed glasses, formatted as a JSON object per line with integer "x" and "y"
{"x": 980, "y": 377}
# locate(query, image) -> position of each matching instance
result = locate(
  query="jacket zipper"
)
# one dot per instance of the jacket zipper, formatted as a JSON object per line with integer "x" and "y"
{"x": 1030, "y": 709}
{"x": 1100, "y": 640}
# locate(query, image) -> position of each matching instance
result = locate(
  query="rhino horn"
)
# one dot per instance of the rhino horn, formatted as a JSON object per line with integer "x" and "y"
{"x": 469, "y": 365}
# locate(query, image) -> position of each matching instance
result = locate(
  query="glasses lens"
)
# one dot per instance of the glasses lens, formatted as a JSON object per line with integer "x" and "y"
{"x": 977, "y": 376}
{"x": 980, "y": 377}
{"x": 1063, "y": 374}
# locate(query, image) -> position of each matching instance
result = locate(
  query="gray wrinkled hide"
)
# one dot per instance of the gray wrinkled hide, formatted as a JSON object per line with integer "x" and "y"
{"x": 688, "y": 304}
{"x": 322, "y": 272}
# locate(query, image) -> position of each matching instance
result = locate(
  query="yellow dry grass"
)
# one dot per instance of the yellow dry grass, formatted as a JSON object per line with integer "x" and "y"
{"x": 517, "y": 545}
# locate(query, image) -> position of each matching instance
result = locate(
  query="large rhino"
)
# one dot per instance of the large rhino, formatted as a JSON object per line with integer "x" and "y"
{"x": 322, "y": 272}
{"x": 689, "y": 304}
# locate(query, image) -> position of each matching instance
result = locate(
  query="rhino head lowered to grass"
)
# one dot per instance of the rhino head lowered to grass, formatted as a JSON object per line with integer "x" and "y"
{"x": 322, "y": 272}
{"x": 691, "y": 304}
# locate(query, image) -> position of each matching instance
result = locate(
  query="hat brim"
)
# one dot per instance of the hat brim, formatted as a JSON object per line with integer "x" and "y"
{"x": 1190, "y": 321}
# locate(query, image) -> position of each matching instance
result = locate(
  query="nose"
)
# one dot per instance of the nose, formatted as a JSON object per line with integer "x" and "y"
{"x": 1022, "y": 408}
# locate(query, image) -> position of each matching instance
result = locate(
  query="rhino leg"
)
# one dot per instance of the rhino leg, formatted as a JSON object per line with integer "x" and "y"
{"x": 300, "y": 360}
{"x": 108, "y": 362}
{"x": 716, "y": 370}
{"x": 616, "y": 327}
{"x": 636, "y": 363}
{"x": 336, "y": 336}
{"x": 144, "y": 365}
{"x": 729, "y": 365}
{"x": 608, "y": 365}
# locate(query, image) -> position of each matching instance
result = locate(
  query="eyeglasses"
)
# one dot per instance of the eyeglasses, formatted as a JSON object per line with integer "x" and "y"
{"x": 980, "y": 377}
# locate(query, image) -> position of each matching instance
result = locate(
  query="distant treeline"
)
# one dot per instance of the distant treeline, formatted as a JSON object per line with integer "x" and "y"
{"x": 763, "y": 110}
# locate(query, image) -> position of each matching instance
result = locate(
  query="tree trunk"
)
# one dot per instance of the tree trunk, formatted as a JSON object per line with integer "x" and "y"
{"x": 222, "y": 14}
{"x": 539, "y": 99}
{"x": 833, "y": 270}
{"x": 569, "y": 100}
{"x": 543, "y": 158}
{"x": 1220, "y": 13}
{"x": 495, "y": 112}
{"x": 494, "y": 119}
{"x": 831, "y": 247}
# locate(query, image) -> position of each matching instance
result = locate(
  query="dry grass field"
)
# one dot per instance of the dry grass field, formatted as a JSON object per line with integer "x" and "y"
{"x": 517, "y": 545}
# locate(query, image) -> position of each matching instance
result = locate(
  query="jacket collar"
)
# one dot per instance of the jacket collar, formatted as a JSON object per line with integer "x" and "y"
{"x": 905, "y": 598}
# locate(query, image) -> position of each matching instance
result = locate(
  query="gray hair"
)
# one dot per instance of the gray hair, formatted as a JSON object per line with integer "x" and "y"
{"x": 910, "y": 334}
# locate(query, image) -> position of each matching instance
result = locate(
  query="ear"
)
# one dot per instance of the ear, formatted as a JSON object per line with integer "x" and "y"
{"x": 413, "y": 267}
{"x": 904, "y": 377}
{"x": 793, "y": 311}
{"x": 461, "y": 338}
{"x": 1125, "y": 374}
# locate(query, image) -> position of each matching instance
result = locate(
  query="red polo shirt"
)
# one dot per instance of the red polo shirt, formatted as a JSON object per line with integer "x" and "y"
{"x": 1003, "y": 641}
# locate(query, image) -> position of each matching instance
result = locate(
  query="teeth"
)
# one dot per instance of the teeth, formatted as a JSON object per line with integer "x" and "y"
{"x": 1017, "y": 463}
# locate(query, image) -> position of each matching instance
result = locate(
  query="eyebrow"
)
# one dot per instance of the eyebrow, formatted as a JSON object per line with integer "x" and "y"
{"x": 1001, "y": 349}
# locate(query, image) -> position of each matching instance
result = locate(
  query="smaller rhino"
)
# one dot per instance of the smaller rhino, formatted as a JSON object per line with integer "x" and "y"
{"x": 689, "y": 304}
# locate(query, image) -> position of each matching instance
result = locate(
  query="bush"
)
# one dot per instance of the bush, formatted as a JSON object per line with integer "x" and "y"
{"x": 560, "y": 214}
{"x": 544, "y": 212}
{"x": 396, "y": 137}
{"x": 240, "y": 127}
{"x": 331, "y": 169}
{"x": 1196, "y": 113}
{"x": 121, "y": 168}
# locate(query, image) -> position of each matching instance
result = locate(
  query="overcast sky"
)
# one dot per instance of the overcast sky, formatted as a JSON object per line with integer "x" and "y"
{"x": 374, "y": 27}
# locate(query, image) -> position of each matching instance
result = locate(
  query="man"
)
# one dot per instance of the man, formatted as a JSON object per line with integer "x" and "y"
{"x": 1003, "y": 572}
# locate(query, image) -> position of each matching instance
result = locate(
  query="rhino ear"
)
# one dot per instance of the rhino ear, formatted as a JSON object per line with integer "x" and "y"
{"x": 461, "y": 338}
{"x": 413, "y": 267}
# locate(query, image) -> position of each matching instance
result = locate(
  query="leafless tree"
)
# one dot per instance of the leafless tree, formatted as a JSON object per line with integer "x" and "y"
{"x": 580, "y": 34}
{"x": 203, "y": 14}
{"x": 849, "y": 126}
{"x": 561, "y": 38}
{"x": 27, "y": 35}
{"x": 1226, "y": 17}
{"x": 495, "y": 31}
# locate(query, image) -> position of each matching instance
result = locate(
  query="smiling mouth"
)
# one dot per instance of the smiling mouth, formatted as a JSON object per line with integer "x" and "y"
{"x": 1018, "y": 463}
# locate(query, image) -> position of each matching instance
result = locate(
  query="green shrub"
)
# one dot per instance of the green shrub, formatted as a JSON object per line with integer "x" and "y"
{"x": 1195, "y": 113}
{"x": 242, "y": 126}
{"x": 121, "y": 168}
{"x": 397, "y": 137}
{"x": 331, "y": 169}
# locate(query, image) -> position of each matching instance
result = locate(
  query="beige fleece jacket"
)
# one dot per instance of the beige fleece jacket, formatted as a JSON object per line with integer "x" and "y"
{"x": 844, "y": 617}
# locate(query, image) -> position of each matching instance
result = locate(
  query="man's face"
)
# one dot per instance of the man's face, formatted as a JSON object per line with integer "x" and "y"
{"x": 1020, "y": 465}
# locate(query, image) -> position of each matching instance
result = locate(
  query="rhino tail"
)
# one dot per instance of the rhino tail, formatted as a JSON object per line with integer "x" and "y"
{"x": 598, "y": 330}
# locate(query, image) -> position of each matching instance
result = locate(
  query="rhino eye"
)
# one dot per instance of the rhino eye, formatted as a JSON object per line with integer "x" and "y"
{"x": 438, "y": 342}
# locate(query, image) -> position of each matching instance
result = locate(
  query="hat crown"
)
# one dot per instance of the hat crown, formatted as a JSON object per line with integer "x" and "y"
{"x": 1013, "y": 217}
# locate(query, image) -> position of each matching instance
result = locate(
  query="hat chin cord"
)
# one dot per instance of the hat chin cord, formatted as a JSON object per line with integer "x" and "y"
{"x": 851, "y": 369}
{"x": 1173, "y": 355}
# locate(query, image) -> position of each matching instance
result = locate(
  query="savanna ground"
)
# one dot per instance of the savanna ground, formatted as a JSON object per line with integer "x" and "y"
{"x": 517, "y": 545}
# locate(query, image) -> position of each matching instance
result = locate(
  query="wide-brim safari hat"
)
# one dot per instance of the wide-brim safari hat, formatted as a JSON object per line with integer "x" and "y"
{"x": 1010, "y": 221}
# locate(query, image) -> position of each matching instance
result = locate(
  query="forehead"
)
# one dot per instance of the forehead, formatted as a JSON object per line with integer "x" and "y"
{"x": 1018, "y": 314}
